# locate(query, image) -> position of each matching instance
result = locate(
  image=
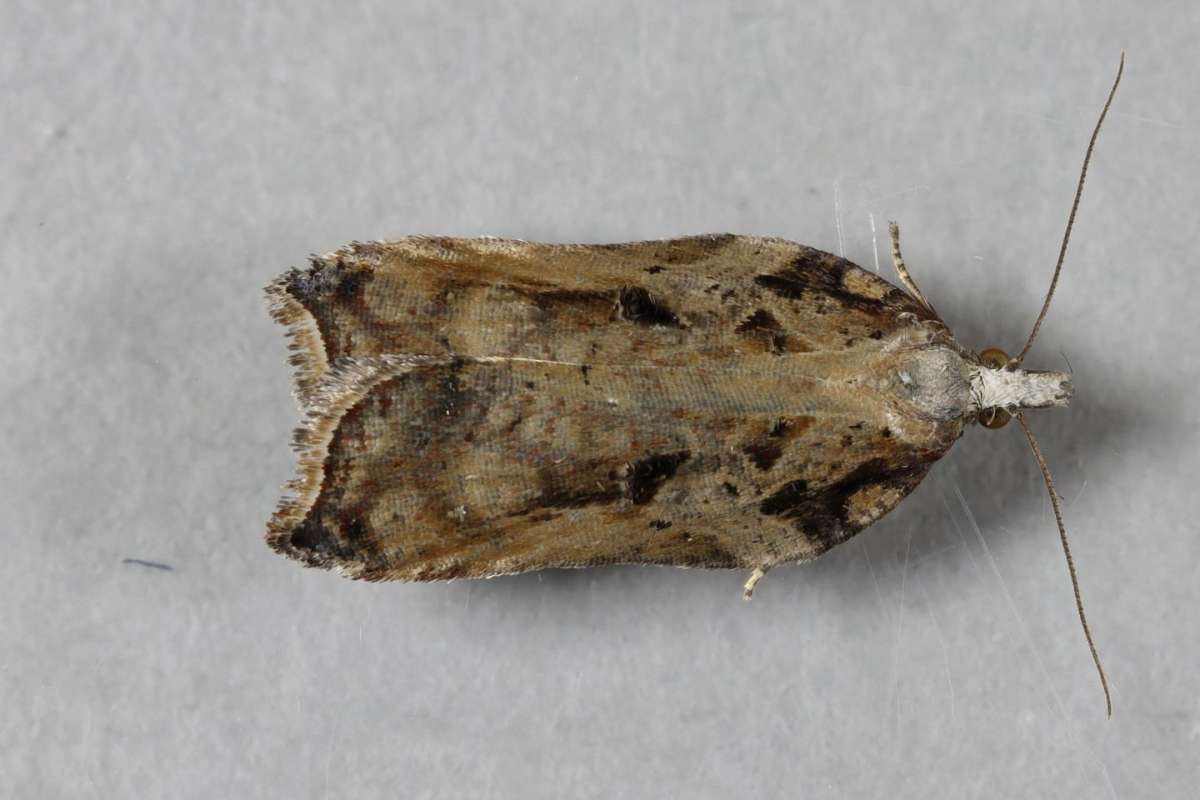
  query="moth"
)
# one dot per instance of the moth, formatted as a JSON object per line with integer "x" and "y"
{"x": 480, "y": 407}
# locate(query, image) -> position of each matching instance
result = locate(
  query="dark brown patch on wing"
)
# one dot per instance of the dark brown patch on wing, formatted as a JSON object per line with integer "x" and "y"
{"x": 559, "y": 493}
{"x": 327, "y": 281}
{"x": 681, "y": 251}
{"x": 764, "y": 453}
{"x": 822, "y": 510}
{"x": 703, "y": 549}
{"x": 326, "y": 288}
{"x": 555, "y": 302}
{"x": 312, "y": 536}
{"x": 648, "y": 474}
{"x": 791, "y": 427}
{"x": 821, "y": 276}
{"x": 765, "y": 330}
{"x": 323, "y": 537}
{"x": 689, "y": 249}
{"x": 766, "y": 449}
{"x": 760, "y": 320}
{"x": 639, "y": 306}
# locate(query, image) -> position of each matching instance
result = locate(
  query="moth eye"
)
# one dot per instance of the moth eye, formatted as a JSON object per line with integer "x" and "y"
{"x": 994, "y": 357}
{"x": 994, "y": 418}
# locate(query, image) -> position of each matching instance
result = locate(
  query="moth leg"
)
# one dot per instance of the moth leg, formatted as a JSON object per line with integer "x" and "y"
{"x": 752, "y": 581}
{"x": 905, "y": 278}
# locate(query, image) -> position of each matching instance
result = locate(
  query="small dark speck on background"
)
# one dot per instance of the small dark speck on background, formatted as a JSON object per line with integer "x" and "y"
{"x": 151, "y": 564}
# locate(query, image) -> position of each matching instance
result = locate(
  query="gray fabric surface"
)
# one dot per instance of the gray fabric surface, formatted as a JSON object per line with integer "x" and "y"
{"x": 163, "y": 161}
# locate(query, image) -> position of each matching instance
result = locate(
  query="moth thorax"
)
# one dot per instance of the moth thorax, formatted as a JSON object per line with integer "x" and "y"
{"x": 998, "y": 390}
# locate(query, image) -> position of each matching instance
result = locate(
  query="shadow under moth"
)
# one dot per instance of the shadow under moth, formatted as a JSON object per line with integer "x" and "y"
{"x": 480, "y": 407}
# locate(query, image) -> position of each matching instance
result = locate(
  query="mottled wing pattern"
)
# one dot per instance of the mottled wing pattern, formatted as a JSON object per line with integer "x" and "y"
{"x": 480, "y": 407}
{"x": 696, "y": 300}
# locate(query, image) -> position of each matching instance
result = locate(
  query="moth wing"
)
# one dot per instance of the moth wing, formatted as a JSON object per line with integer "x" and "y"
{"x": 424, "y": 467}
{"x": 690, "y": 300}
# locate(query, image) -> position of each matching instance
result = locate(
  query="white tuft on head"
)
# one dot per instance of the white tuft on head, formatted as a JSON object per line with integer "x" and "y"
{"x": 1013, "y": 389}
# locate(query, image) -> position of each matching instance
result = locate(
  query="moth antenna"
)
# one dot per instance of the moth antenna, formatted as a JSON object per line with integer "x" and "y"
{"x": 1062, "y": 533}
{"x": 906, "y": 277}
{"x": 1070, "y": 369}
{"x": 1062, "y": 253}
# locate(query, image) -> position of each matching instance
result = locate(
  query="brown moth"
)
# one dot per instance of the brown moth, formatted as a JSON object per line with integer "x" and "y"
{"x": 480, "y": 407}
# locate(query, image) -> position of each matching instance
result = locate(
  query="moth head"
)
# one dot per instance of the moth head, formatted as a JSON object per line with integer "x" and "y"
{"x": 1000, "y": 389}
